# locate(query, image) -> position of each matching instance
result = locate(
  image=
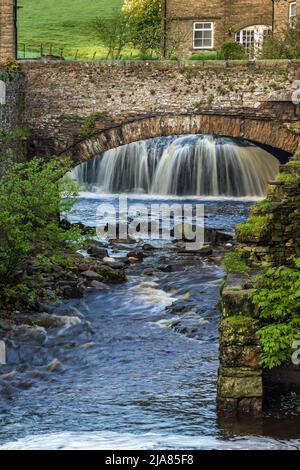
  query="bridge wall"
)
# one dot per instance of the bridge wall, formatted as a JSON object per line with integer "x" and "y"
{"x": 67, "y": 102}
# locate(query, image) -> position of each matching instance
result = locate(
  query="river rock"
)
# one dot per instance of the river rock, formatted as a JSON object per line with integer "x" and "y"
{"x": 10, "y": 376}
{"x": 98, "y": 285}
{"x": 96, "y": 250}
{"x": 76, "y": 292}
{"x": 165, "y": 268}
{"x": 137, "y": 255}
{"x": 148, "y": 247}
{"x": 53, "y": 365}
{"x": 92, "y": 275}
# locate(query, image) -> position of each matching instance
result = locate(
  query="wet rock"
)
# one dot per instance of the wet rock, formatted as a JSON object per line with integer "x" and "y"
{"x": 70, "y": 292}
{"x": 92, "y": 275}
{"x": 98, "y": 285}
{"x": 181, "y": 306}
{"x": 30, "y": 334}
{"x": 4, "y": 325}
{"x": 96, "y": 250}
{"x": 148, "y": 247}
{"x": 10, "y": 376}
{"x": 53, "y": 365}
{"x": 167, "y": 268}
{"x": 114, "y": 263}
{"x": 137, "y": 255}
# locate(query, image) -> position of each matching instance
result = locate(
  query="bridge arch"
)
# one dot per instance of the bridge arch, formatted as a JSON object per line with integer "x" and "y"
{"x": 263, "y": 131}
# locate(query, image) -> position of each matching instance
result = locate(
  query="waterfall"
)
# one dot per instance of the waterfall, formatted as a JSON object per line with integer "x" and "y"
{"x": 193, "y": 165}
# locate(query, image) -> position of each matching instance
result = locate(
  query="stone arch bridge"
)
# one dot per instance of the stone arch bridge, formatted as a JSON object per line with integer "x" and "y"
{"x": 82, "y": 109}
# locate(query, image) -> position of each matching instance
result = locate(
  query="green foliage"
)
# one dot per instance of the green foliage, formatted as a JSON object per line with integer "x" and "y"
{"x": 288, "y": 178}
{"x": 255, "y": 227}
{"x": 262, "y": 207}
{"x": 286, "y": 46}
{"x": 277, "y": 301}
{"x": 276, "y": 343}
{"x": 11, "y": 70}
{"x": 114, "y": 33}
{"x": 204, "y": 56}
{"x": 145, "y": 24}
{"x": 278, "y": 294}
{"x": 89, "y": 123}
{"x": 32, "y": 196}
{"x": 231, "y": 50}
{"x": 19, "y": 133}
{"x": 234, "y": 263}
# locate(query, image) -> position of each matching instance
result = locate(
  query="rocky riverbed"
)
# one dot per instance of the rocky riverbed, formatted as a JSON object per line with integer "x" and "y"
{"x": 129, "y": 358}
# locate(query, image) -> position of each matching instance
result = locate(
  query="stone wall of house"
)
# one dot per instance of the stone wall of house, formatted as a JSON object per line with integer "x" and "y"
{"x": 281, "y": 15}
{"x": 241, "y": 385}
{"x": 7, "y": 29}
{"x": 60, "y": 96}
{"x": 228, "y": 16}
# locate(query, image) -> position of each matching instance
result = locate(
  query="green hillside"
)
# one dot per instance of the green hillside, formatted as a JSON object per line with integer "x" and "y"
{"x": 64, "y": 24}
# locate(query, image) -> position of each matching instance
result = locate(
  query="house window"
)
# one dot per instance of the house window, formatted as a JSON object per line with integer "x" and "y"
{"x": 293, "y": 13}
{"x": 252, "y": 38}
{"x": 203, "y": 37}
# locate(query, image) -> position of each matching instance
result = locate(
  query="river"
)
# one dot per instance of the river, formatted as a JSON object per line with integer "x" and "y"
{"x": 139, "y": 362}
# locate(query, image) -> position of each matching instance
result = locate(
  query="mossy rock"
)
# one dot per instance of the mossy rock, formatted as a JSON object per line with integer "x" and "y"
{"x": 239, "y": 383}
{"x": 237, "y": 302}
{"x": 111, "y": 275}
{"x": 240, "y": 356}
{"x": 239, "y": 331}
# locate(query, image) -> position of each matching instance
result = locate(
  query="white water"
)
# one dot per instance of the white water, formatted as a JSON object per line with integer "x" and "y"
{"x": 127, "y": 441}
{"x": 193, "y": 165}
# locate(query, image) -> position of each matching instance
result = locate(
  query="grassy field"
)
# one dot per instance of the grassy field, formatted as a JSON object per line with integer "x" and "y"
{"x": 66, "y": 24}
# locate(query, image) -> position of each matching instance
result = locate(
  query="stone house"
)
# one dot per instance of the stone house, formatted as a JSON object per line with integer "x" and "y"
{"x": 195, "y": 25}
{"x": 203, "y": 25}
{"x": 8, "y": 29}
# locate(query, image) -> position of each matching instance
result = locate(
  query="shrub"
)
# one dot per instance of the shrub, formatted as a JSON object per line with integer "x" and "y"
{"x": 286, "y": 46}
{"x": 232, "y": 50}
{"x": 114, "y": 33}
{"x": 278, "y": 294}
{"x": 276, "y": 344}
{"x": 277, "y": 301}
{"x": 204, "y": 56}
{"x": 145, "y": 20}
{"x": 30, "y": 204}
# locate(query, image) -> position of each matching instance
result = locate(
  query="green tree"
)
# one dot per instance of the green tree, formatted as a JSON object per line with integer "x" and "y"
{"x": 32, "y": 195}
{"x": 114, "y": 33}
{"x": 145, "y": 24}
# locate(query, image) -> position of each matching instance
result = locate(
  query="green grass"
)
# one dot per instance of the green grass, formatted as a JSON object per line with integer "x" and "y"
{"x": 66, "y": 24}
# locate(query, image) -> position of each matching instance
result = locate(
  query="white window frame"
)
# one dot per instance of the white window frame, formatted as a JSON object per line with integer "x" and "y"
{"x": 211, "y": 29}
{"x": 258, "y": 32}
{"x": 292, "y": 18}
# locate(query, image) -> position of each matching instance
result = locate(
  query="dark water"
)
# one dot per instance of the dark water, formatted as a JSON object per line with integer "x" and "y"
{"x": 138, "y": 364}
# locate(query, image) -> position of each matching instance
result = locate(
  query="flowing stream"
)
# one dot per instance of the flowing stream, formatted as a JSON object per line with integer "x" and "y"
{"x": 139, "y": 360}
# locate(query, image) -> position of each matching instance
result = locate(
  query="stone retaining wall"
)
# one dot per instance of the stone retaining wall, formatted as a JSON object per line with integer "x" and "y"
{"x": 241, "y": 379}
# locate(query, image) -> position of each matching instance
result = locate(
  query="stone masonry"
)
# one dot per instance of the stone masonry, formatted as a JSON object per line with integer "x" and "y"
{"x": 242, "y": 382}
{"x": 228, "y": 18}
{"x": 136, "y": 100}
{"x": 7, "y": 29}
